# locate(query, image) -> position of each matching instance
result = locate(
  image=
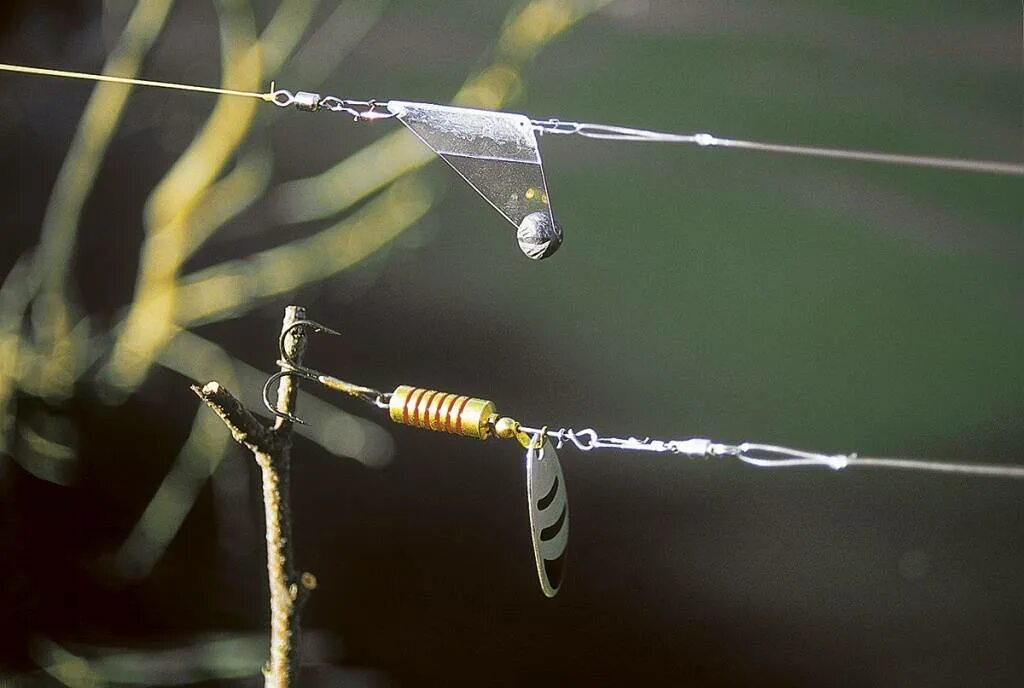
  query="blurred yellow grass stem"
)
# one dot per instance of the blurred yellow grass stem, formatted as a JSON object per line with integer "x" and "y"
{"x": 171, "y": 209}
{"x": 221, "y": 291}
{"x": 319, "y": 56}
{"x": 194, "y": 357}
{"x": 227, "y": 289}
{"x": 187, "y": 354}
{"x": 229, "y": 196}
{"x": 16, "y": 355}
{"x": 282, "y": 34}
{"x": 170, "y": 206}
{"x": 197, "y": 460}
{"x": 51, "y": 315}
{"x": 233, "y": 287}
{"x": 398, "y": 153}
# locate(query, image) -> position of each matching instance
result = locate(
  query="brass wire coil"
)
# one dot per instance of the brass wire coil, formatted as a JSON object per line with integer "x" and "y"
{"x": 442, "y": 412}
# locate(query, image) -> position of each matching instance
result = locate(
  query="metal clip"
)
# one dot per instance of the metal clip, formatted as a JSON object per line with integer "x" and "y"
{"x": 554, "y": 126}
{"x": 360, "y": 110}
{"x": 310, "y": 102}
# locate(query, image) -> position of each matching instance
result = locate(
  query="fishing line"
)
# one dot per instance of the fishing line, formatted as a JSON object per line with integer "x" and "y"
{"x": 478, "y": 418}
{"x": 39, "y": 71}
{"x": 498, "y": 155}
{"x": 312, "y": 102}
{"x": 614, "y": 133}
{"x": 547, "y": 498}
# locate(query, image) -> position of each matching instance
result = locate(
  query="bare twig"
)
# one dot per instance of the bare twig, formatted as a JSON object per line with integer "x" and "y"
{"x": 271, "y": 448}
{"x": 244, "y": 427}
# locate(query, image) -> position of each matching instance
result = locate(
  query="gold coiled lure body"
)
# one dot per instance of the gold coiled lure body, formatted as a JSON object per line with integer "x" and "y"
{"x": 443, "y": 412}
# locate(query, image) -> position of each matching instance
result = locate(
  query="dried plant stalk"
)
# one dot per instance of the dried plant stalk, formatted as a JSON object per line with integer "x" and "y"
{"x": 271, "y": 447}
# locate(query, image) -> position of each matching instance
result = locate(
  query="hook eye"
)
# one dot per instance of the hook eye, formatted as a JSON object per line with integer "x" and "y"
{"x": 314, "y": 326}
{"x": 269, "y": 384}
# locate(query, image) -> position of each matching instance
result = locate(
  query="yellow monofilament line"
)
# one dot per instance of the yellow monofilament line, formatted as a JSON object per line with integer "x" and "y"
{"x": 134, "y": 82}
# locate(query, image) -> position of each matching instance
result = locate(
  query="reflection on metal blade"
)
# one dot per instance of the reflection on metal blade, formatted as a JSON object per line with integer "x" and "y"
{"x": 549, "y": 515}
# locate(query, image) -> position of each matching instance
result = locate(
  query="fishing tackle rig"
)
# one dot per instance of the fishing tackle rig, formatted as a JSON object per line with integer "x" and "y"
{"x": 548, "y": 505}
{"x": 497, "y": 153}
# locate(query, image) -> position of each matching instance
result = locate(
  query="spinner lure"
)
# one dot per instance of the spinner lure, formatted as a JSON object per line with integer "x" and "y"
{"x": 497, "y": 153}
{"x": 546, "y": 495}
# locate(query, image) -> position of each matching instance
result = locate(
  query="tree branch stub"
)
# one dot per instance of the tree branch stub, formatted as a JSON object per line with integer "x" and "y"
{"x": 271, "y": 447}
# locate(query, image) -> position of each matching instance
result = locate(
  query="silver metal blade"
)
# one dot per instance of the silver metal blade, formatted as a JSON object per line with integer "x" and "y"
{"x": 549, "y": 515}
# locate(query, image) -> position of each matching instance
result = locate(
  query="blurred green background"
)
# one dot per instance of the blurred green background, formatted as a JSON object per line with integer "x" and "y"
{"x": 822, "y": 304}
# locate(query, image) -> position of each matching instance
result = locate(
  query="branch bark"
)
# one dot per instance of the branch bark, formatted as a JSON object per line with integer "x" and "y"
{"x": 271, "y": 447}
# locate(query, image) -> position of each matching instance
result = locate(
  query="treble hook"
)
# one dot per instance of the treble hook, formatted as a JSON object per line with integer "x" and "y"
{"x": 269, "y": 385}
{"x": 282, "y": 350}
{"x": 290, "y": 367}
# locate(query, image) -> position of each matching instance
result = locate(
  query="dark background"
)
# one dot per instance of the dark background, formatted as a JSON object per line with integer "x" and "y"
{"x": 740, "y": 296}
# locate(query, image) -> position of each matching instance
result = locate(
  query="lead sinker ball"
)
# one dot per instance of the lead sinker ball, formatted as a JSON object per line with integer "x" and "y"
{"x": 539, "y": 235}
